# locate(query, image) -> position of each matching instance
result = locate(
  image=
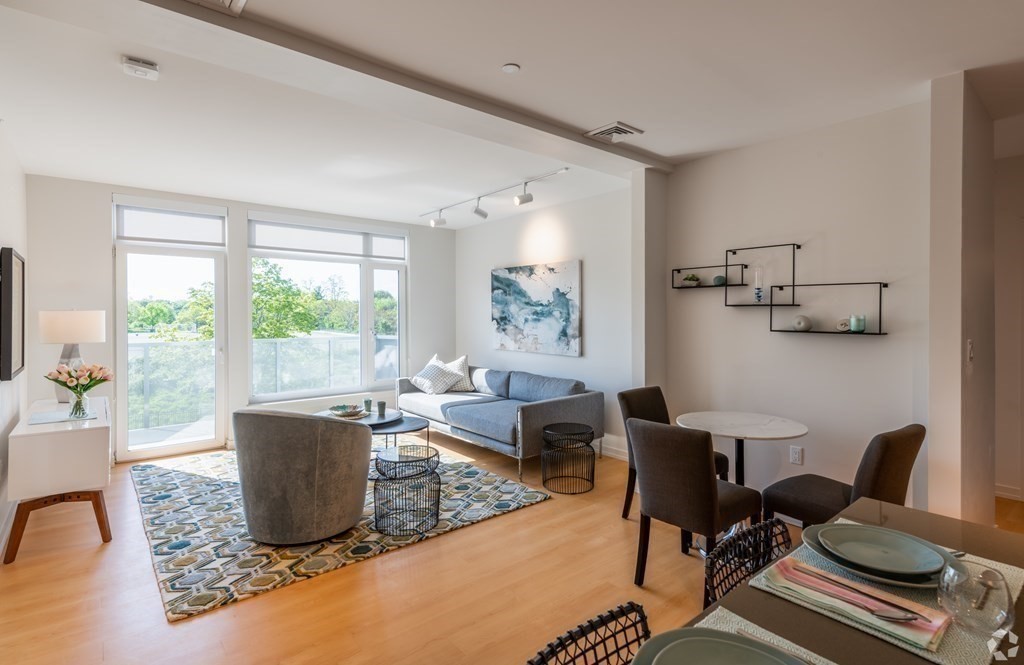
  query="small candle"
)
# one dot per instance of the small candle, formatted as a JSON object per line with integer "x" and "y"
{"x": 381, "y": 407}
{"x": 758, "y": 277}
{"x": 367, "y": 405}
{"x": 858, "y": 323}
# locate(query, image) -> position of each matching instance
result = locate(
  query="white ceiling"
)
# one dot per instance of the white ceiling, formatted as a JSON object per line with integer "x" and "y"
{"x": 697, "y": 75}
{"x": 212, "y": 130}
{"x": 388, "y": 110}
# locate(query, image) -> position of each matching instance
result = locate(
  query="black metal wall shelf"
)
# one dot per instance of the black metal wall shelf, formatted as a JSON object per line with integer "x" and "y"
{"x": 677, "y": 271}
{"x": 732, "y": 252}
{"x": 793, "y": 287}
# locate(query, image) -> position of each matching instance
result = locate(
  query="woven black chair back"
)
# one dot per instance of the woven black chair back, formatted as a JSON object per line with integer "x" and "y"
{"x": 613, "y": 638}
{"x": 742, "y": 555}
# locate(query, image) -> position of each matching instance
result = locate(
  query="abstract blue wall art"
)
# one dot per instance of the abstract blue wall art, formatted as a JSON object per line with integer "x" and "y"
{"x": 537, "y": 308}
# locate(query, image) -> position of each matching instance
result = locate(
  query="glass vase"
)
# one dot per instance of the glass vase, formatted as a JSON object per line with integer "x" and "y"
{"x": 79, "y": 406}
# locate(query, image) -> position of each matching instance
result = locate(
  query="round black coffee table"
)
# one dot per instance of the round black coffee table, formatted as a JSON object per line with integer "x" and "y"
{"x": 407, "y": 491}
{"x": 406, "y": 425}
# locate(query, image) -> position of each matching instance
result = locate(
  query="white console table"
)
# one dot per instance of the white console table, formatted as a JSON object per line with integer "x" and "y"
{"x": 55, "y": 463}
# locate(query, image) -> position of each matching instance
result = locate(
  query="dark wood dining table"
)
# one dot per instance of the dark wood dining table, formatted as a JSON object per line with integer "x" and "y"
{"x": 844, "y": 644}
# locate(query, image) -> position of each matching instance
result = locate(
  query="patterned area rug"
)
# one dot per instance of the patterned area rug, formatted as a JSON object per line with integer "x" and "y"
{"x": 204, "y": 558}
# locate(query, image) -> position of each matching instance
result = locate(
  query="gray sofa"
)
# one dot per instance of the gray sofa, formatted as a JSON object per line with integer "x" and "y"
{"x": 507, "y": 411}
{"x": 303, "y": 477}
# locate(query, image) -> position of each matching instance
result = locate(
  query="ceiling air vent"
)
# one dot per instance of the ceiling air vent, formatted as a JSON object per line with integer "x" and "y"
{"x": 232, "y": 7}
{"x": 614, "y": 133}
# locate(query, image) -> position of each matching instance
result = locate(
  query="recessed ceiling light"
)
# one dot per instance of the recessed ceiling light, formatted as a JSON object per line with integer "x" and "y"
{"x": 510, "y": 68}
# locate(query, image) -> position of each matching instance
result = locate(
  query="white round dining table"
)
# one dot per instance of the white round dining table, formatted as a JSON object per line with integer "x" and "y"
{"x": 741, "y": 427}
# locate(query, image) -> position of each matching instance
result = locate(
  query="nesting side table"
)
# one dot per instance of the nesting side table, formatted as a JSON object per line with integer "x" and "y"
{"x": 407, "y": 491}
{"x": 56, "y": 463}
{"x": 567, "y": 458}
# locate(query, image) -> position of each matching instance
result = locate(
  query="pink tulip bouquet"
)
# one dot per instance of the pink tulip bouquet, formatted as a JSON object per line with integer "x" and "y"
{"x": 79, "y": 381}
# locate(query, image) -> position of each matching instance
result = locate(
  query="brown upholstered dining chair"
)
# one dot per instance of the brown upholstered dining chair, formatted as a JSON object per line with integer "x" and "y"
{"x": 648, "y": 403}
{"x": 675, "y": 468}
{"x": 883, "y": 474}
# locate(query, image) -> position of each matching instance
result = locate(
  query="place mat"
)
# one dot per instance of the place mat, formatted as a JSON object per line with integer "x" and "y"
{"x": 50, "y": 417}
{"x": 958, "y": 646}
{"x": 724, "y": 620}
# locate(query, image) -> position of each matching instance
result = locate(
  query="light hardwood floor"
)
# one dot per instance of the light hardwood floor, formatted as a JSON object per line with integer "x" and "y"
{"x": 491, "y": 593}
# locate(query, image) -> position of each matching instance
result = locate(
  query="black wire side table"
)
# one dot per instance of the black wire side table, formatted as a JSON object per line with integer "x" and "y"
{"x": 567, "y": 458}
{"x": 407, "y": 491}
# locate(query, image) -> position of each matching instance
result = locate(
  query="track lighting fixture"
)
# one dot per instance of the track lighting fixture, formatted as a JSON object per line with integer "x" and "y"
{"x": 478, "y": 211}
{"x": 524, "y": 198}
{"x": 519, "y": 199}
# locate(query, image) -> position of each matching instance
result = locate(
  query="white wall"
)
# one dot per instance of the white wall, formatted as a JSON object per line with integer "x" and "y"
{"x": 1009, "y": 313}
{"x": 977, "y": 454}
{"x": 595, "y": 230}
{"x": 855, "y": 195}
{"x": 12, "y": 234}
{"x": 72, "y": 215}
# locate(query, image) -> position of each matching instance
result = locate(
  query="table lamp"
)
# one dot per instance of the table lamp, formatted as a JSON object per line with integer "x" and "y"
{"x": 71, "y": 328}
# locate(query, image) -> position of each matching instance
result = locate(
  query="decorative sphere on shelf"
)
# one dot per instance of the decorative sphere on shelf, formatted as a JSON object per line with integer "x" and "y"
{"x": 719, "y": 280}
{"x": 801, "y": 323}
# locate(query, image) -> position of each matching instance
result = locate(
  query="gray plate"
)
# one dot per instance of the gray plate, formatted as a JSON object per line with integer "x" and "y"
{"x": 700, "y": 646}
{"x": 810, "y": 538}
{"x": 880, "y": 549}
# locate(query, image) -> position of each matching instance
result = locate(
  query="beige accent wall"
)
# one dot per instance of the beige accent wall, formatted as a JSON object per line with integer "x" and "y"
{"x": 596, "y": 231}
{"x": 855, "y": 195}
{"x": 1009, "y": 295}
{"x": 12, "y": 234}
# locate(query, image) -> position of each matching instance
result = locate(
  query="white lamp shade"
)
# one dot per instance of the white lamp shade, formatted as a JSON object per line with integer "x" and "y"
{"x": 73, "y": 326}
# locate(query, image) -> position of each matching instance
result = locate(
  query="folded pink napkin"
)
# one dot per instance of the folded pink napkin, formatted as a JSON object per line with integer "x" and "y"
{"x": 926, "y": 632}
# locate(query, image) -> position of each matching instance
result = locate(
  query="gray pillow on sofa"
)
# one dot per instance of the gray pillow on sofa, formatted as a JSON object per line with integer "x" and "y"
{"x": 490, "y": 381}
{"x": 533, "y": 387}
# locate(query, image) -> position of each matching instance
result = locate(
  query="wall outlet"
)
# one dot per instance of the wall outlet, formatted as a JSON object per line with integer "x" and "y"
{"x": 796, "y": 455}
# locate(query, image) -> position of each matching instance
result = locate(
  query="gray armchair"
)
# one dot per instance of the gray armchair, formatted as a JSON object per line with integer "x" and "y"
{"x": 303, "y": 477}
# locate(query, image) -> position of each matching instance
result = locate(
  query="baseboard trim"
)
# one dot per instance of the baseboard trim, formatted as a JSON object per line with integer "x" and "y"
{"x": 614, "y": 446}
{"x": 1007, "y": 492}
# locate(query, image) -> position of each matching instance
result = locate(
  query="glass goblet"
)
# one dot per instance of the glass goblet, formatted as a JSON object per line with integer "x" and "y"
{"x": 977, "y": 597}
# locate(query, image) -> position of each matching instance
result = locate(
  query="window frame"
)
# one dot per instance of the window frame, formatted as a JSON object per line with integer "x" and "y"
{"x": 367, "y": 264}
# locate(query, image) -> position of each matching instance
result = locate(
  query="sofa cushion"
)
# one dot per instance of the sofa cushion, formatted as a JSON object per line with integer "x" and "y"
{"x": 496, "y": 420}
{"x": 434, "y": 407}
{"x": 490, "y": 381}
{"x": 436, "y": 377}
{"x": 534, "y": 387}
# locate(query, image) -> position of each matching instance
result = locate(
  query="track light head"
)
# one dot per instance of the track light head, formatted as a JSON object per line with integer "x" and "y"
{"x": 522, "y": 199}
{"x": 478, "y": 211}
{"x": 439, "y": 220}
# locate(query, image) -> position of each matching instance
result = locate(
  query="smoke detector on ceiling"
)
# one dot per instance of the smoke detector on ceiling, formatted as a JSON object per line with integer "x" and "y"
{"x": 616, "y": 132}
{"x": 143, "y": 69}
{"x": 232, "y": 7}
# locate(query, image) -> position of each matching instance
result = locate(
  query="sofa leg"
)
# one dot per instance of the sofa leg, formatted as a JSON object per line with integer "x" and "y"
{"x": 520, "y": 469}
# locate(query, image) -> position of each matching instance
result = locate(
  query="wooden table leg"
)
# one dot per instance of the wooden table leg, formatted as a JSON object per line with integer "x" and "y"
{"x": 17, "y": 531}
{"x": 99, "y": 507}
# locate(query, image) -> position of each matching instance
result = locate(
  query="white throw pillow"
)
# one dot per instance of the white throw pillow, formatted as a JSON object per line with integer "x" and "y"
{"x": 436, "y": 378}
{"x": 465, "y": 384}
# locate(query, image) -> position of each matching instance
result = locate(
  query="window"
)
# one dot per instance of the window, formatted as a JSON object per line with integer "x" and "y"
{"x": 326, "y": 314}
{"x": 170, "y": 265}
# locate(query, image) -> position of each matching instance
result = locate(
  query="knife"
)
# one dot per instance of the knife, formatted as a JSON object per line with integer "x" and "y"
{"x": 814, "y": 573}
